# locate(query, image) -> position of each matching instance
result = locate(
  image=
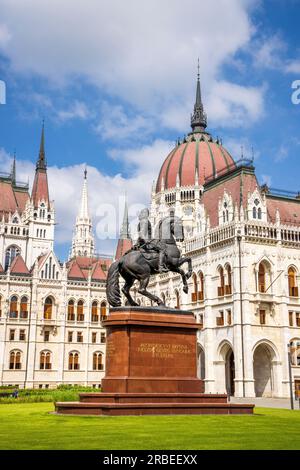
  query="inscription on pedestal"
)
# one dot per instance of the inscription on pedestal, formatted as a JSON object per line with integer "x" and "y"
{"x": 163, "y": 350}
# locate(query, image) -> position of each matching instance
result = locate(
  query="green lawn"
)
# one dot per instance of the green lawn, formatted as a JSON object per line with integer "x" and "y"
{"x": 30, "y": 426}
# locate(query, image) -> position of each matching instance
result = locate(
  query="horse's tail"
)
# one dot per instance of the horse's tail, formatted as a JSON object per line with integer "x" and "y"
{"x": 112, "y": 285}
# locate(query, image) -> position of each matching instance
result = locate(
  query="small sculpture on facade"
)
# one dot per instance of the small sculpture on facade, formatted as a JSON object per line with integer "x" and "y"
{"x": 149, "y": 256}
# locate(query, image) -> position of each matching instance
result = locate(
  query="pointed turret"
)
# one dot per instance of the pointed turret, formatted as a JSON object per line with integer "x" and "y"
{"x": 83, "y": 240}
{"x": 13, "y": 170}
{"x": 124, "y": 242}
{"x": 199, "y": 118}
{"x": 40, "y": 191}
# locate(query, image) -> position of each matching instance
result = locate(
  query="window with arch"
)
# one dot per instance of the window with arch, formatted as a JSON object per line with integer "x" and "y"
{"x": 45, "y": 360}
{"x": 264, "y": 277}
{"x": 195, "y": 288}
{"x": 48, "y": 308}
{"x": 80, "y": 313}
{"x": 225, "y": 213}
{"x": 103, "y": 311}
{"x": 13, "y": 307}
{"x": 177, "y": 299}
{"x": 221, "y": 287}
{"x": 95, "y": 312}
{"x": 10, "y": 254}
{"x": 74, "y": 361}
{"x": 71, "y": 310}
{"x": 24, "y": 307}
{"x": 228, "y": 286}
{"x": 15, "y": 360}
{"x": 295, "y": 352}
{"x": 256, "y": 211}
{"x": 292, "y": 277}
{"x": 201, "y": 286}
{"x": 97, "y": 361}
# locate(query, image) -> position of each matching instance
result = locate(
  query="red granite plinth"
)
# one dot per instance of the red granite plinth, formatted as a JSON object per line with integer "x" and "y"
{"x": 151, "y": 368}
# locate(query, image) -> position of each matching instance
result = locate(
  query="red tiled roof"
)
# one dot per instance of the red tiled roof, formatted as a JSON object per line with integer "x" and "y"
{"x": 123, "y": 246}
{"x": 11, "y": 200}
{"x": 233, "y": 186}
{"x": 204, "y": 155}
{"x": 40, "y": 188}
{"x": 18, "y": 266}
{"x": 289, "y": 210}
{"x": 80, "y": 267}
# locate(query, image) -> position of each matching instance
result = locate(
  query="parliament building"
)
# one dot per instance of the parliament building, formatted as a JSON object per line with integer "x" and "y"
{"x": 244, "y": 242}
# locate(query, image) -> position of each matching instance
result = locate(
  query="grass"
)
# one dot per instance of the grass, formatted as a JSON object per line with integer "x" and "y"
{"x": 31, "y": 426}
{"x": 61, "y": 393}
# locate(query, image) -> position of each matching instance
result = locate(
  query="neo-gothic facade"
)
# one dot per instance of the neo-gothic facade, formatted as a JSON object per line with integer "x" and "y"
{"x": 50, "y": 312}
{"x": 244, "y": 243}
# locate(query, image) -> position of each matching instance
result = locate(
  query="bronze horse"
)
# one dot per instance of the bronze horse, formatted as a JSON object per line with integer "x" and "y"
{"x": 139, "y": 264}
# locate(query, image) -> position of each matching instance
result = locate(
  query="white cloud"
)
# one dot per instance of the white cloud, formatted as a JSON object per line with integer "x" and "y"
{"x": 240, "y": 147}
{"x": 293, "y": 66}
{"x": 142, "y": 52}
{"x": 78, "y": 110}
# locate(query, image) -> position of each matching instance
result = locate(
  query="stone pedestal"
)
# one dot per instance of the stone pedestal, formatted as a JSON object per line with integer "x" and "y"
{"x": 151, "y": 368}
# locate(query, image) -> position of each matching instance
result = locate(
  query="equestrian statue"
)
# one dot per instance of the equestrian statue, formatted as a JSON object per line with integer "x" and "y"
{"x": 147, "y": 257}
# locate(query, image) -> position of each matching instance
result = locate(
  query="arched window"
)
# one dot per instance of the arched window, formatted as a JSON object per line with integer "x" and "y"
{"x": 195, "y": 288}
{"x": 24, "y": 307}
{"x": 201, "y": 292}
{"x": 295, "y": 352}
{"x": 48, "y": 307}
{"x": 262, "y": 278}
{"x": 103, "y": 311}
{"x": 74, "y": 361}
{"x": 221, "y": 287}
{"x": 254, "y": 213}
{"x": 45, "y": 360}
{"x": 15, "y": 360}
{"x": 95, "y": 312}
{"x": 10, "y": 255}
{"x": 97, "y": 361}
{"x": 71, "y": 310}
{"x": 259, "y": 214}
{"x": 228, "y": 287}
{"x": 293, "y": 288}
{"x": 80, "y": 314}
{"x": 177, "y": 297}
{"x": 13, "y": 307}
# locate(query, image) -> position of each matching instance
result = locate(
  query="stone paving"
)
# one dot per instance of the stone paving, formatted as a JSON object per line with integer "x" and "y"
{"x": 267, "y": 402}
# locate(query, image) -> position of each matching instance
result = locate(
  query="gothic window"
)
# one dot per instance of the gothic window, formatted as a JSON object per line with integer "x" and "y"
{"x": 45, "y": 360}
{"x": 80, "y": 314}
{"x": 262, "y": 278}
{"x": 195, "y": 288}
{"x": 15, "y": 220}
{"x": 74, "y": 361}
{"x": 293, "y": 288}
{"x": 256, "y": 211}
{"x": 103, "y": 311}
{"x": 225, "y": 213}
{"x": 24, "y": 307}
{"x": 15, "y": 360}
{"x": 95, "y": 314}
{"x": 11, "y": 253}
{"x": 48, "y": 308}
{"x": 228, "y": 286}
{"x": 13, "y": 307}
{"x": 295, "y": 352}
{"x": 201, "y": 291}
{"x": 97, "y": 361}
{"x": 71, "y": 310}
{"x": 221, "y": 287}
{"x": 259, "y": 213}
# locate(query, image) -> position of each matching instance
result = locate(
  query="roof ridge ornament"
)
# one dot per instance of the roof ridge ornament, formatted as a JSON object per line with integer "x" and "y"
{"x": 199, "y": 117}
{"x": 41, "y": 163}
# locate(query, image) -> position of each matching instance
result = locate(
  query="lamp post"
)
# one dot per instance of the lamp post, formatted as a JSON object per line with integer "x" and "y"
{"x": 290, "y": 376}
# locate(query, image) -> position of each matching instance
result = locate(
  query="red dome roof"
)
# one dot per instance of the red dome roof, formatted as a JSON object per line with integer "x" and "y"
{"x": 200, "y": 155}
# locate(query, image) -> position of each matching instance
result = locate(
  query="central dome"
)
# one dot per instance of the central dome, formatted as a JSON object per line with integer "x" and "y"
{"x": 198, "y": 158}
{"x": 191, "y": 162}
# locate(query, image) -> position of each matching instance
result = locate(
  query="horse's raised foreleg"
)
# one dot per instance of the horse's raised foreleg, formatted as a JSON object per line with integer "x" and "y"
{"x": 183, "y": 277}
{"x": 190, "y": 268}
{"x": 143, "y": 290}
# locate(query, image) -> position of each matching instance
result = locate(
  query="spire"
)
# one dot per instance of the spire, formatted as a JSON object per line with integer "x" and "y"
{"x": 41, "y": 163}
{"x": 13, "y": 169}
{"x": 83, "y": 239}
{"x": 199, "y": 118}
{"x": 125, "y": 230}
{"x": 84, "y": 209}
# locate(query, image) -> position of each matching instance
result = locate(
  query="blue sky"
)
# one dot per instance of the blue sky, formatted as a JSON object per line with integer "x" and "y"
{"x": 115, "y": 82}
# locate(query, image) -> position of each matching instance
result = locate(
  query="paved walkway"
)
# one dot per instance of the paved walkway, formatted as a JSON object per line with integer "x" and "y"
{"x": 267, "y": 402}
